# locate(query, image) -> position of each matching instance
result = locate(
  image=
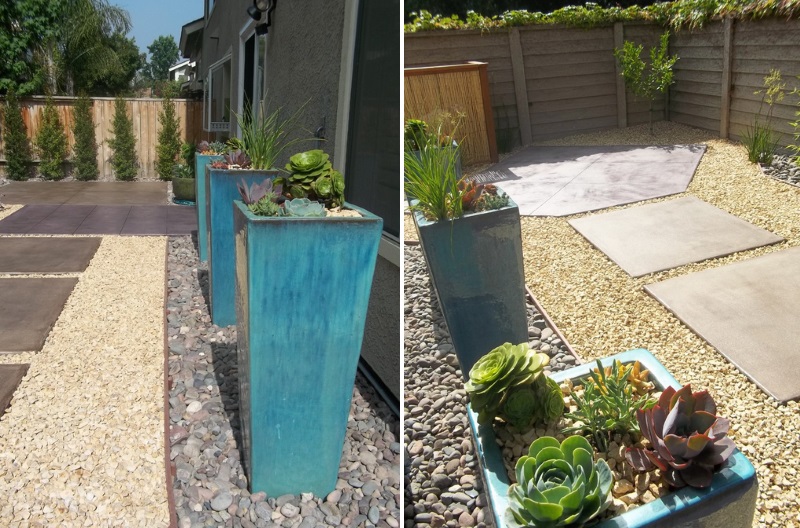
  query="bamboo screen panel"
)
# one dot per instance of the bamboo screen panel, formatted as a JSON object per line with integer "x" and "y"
{"x": 440, "y": 94}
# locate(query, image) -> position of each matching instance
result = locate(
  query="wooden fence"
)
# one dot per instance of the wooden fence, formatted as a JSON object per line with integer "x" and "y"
{"x": 549, "y": 81}
{"x": 144, "y": 114}
{"x": 462, "y": 91}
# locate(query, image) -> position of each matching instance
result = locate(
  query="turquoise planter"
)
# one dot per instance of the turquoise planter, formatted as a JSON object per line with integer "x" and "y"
{"x": 475, "y": 264}
{"x": 221, "y": 190}
{"x": 302, "y": 290}
{"x": 200, "y": 163}
{"x": 730, "y": 502}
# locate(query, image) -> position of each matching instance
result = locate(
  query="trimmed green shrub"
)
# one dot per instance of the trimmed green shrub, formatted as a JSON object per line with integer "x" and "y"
{"x": 51, "y": 143}
{"x": 123, "y": 160}
{"x": 85, "y": 147}
{"x": 17, "y": 146}
{"x": 169, "y": 140}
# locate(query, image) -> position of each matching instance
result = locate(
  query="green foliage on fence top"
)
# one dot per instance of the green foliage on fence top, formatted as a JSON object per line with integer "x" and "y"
{"x": 679, "y": 14}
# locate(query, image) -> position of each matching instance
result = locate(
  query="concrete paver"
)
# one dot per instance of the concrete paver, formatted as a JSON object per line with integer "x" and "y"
{"x": 561, "y": 181}
{"x": 46, "y": 254}
{"x": 84, "y": 193}
{"x": 665, "y": 235}
{"x": 29, "y": 308}
{"x": 748, "y": 312}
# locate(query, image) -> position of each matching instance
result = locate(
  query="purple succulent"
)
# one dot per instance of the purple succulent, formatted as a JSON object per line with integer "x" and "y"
{"x": 237, "y": 159}
{"x": 688, "y": 440}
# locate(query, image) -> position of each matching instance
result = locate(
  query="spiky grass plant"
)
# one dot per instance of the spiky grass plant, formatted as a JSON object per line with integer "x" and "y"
{"x": 265, "y": 136}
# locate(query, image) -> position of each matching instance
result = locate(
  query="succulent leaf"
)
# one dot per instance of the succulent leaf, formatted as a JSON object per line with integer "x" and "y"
{"x": 551, "y": 490}
{"x": 688, "y": 441}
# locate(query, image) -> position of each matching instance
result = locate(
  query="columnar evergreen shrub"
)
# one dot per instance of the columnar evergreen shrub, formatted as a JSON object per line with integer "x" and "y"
{"x": 169, "y": 141}
{"x": 123, "y": 160}
{"x": 85, "y": 143}
{"x": 51, "y": 143}
{"x": 17, "y": 146}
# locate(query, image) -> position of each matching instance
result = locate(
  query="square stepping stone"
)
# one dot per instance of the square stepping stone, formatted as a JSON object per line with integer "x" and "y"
{"x": 665, "y": 235}
{"x": 748, "y": 312}
{"x": 46, "y": 254}
{"x": 24, "y": 326}
{"x": 10, "y": 376}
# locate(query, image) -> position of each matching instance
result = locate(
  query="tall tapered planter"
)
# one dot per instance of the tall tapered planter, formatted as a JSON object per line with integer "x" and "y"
{"x": 221, "y": 191}
{"x": 302, "y": 290}
{"x": 475, "y": 264}
{"x": 201, "y": 161}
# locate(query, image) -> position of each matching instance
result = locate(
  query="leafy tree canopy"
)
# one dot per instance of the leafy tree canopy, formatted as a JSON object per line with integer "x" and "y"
{"x": 497, "y": 7}
{"x": 163, "y": 54}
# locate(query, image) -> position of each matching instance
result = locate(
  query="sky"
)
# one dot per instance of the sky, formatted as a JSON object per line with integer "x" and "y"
{"x": 153, "y": 18}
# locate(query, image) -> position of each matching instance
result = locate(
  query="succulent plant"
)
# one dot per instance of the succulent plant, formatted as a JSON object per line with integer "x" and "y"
{"x": 609, "y": 405}
{"x": 311, "y": 175}
{"x": 257, "y": 191}
{"x": 494, "y": 376}
{"x": 234, "y": 143}
{"x": 218, "y": 164}
{"x": 638, "y": 378}
{"x": 237, "y": 160}
{"x": 213, "y": 148}
{"x": 559, "y": 484}
{"x": 471, "y": 193}
{"x": 539, "y": 402}
{"x": 415, "y": 133}
{"x": 266, "y": 206}
{"x": 687, "y": 438}
{"x": 303, "y": 207}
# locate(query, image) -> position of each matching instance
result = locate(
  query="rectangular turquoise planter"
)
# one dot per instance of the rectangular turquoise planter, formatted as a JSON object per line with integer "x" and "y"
{"x": 302, "y": 291}
{"x": 200, "y": 163}
{"x": 730, "y": 502}
{"x": 221, "y": 190}
{"x": 475, "y": 264}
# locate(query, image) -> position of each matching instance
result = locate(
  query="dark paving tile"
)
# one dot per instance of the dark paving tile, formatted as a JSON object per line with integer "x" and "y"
{"x": 181, "y": 220}
{"x": 37, "y": 192}
{"x": 26, "y": 219}
{"x": 64, "y": 221}
{"x": 748, "y": 312}
{"x": 665, "y": 235}
{"x": 10, "y": 376}
{"x": 146, "y": 220}
{"x": 104, "y": 220}
{"x": 46, "y": 254}
{"x": 24, "y": 326}
{"x": 85, "y": 193}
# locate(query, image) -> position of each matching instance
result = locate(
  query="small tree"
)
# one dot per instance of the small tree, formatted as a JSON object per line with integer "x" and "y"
{"x": 85, "y": 143}
{"x": 17, "y": 146}
{"x": 51, "y": 143}
{"x": 647, "y": 84}
{"x": 123, "y": 143}
{"x": 169, "y": 141}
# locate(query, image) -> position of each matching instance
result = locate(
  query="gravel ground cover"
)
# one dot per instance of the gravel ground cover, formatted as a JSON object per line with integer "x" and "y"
{"x": 443, "y": 485}
{"x": 603, "y": 311}
{"x": 783, "y": 168}
{"x": 83, "y": 441}
{"x": 209, "y": 483}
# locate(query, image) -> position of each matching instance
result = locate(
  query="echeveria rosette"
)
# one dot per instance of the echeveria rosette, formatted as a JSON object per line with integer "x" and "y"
{"x": 688, "y": 440}
{"x": 493, "y": 376}
{"x": 559, "y": 484}
{"x": 538, "y": 402}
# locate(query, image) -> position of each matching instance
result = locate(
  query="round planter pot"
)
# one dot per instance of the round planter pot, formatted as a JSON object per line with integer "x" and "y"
{"x": 183, "y": 189}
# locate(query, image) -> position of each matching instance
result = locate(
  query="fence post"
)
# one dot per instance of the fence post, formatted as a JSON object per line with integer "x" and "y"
{"x": 622, "y": 101}
{"x": 520, "y": 88}
{"x": 725, "y": 94}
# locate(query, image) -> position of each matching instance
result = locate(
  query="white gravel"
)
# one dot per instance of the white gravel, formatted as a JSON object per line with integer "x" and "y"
{"x": 82, "y": 443}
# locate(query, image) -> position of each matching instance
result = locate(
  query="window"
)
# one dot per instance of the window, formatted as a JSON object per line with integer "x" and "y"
{"x": 254, "y": 52}
{"x": 217, "y": 97}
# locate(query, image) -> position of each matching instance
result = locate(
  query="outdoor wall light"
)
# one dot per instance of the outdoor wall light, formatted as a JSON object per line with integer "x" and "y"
{"x": 255, "y": 10}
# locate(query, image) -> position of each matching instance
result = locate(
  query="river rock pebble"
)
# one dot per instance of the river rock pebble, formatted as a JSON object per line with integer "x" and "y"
{"x": 443, "y": 481}
{"x": 209, "y": 484}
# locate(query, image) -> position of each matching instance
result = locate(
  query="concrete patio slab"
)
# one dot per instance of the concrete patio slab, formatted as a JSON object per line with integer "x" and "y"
{"x": 665, "y": 235}
{"x": 70, "y": 219}
{"x": 24, "y": 326}
{"x": 85, "y": 193}
{"x": 10, "y": 376}
{"x": 46, "y": 254}
{"x": 561, "y": 181}
{"x": 748, "y": 312}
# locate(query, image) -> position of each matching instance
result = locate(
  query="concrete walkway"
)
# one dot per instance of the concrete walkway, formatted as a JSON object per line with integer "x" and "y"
{"x": 561, "y": 181}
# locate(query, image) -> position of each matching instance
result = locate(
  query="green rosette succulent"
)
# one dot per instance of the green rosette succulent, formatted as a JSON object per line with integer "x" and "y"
{"x": 559, "y": 484}
{"x": 539, "y": 402}
{"x": 492, "y": 378}
{"x": 311, "y": 175}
